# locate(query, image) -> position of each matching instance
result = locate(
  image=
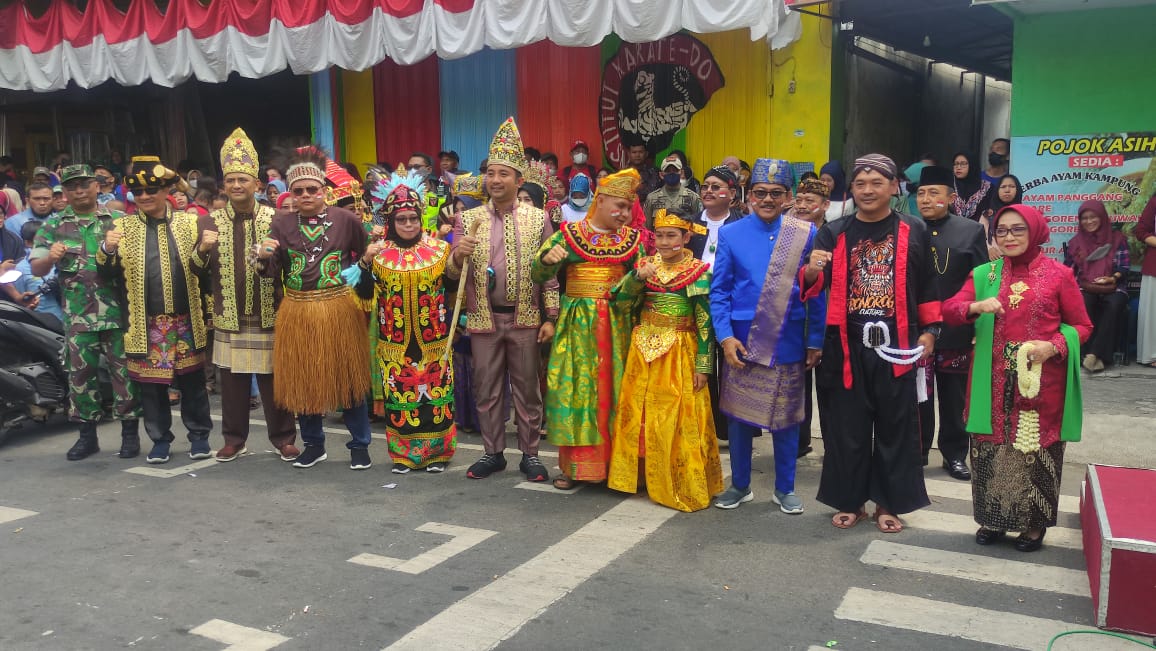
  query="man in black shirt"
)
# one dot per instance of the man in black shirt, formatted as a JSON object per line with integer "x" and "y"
{"x": 883, "y": 315}
{"x": 958, "y": 245}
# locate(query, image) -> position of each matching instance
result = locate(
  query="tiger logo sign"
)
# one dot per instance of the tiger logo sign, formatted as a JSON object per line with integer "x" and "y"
{"x": 650, "y": 91}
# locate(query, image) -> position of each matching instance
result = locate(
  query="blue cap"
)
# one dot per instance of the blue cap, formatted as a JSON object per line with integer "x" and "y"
{"x": 773, "y": 170}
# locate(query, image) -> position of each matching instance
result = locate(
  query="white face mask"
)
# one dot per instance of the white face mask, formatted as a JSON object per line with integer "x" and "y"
{"x": 684, "y": 182}
{"x": 193, "y": 183}
{"x": 579, "y": 158}
{"x": 581, "y": 203}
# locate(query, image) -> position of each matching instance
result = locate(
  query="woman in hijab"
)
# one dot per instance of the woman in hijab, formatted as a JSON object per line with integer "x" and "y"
{"x": 574, "y": 210}
{"x": 1025, "y": 400}
{"x": 1099, "y": 257}
{"x": 1145, "y": 234}
{"x": 971, "y": 190}
{"x": 11, "y": 203}
{"x": 1008, "y": 192}
{"x": 835, "y": 178}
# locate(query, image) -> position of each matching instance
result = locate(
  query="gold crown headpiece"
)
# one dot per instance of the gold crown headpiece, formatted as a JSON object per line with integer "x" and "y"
{"x": 238, "y": 155}
{"x": 663, "y": 219}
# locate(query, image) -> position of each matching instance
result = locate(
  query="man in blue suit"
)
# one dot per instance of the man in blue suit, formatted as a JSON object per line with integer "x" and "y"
{"x": 768, "y": 335}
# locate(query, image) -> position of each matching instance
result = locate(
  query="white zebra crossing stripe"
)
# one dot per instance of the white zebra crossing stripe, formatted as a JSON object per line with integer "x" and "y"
{"x": 977, "y": 568}
{"x": 8, "y": 514}
{"x": 176, "y": 471}
{"x": 954, "y": 523}
{"x": 961, "y": 490}
{"x": 952, "y": 620}
{"x": 461, "y": 539}
{"x": 497, "y": 611}
{"x": 237, "y": 637}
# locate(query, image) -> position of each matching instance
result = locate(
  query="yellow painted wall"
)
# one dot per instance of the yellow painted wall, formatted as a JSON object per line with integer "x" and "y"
{"x": 737, "y": 119}
{"x": 750, "y": 119}
{"x": 808, "y": 110}
{"x": 357, "y": 102}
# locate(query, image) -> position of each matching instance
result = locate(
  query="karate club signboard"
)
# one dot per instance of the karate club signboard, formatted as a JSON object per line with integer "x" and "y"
{"x": 650, "y": 91}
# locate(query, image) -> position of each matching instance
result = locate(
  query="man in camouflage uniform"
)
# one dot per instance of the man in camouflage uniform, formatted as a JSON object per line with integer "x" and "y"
{"x": 94, "y": 313}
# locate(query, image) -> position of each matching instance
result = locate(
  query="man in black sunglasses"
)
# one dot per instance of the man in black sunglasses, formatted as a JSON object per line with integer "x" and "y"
{"x": 153, "y": 252}
{"x": 320, "y": 348}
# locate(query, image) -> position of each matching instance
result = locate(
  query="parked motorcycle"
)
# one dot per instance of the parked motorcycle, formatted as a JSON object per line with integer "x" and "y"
{"x": 33, "y": 383}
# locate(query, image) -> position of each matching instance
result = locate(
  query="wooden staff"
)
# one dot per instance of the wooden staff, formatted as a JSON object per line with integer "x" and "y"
{"x": 461, "y": 295}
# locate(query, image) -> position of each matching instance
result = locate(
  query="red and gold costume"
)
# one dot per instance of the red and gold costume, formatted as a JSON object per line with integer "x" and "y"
{"x": 592, "y": 336}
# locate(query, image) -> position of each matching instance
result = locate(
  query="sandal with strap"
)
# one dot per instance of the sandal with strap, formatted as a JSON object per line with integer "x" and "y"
{"x": 564, "y": 483}
{"x": 887, "y": 522}
{"x": 846, "y": 519}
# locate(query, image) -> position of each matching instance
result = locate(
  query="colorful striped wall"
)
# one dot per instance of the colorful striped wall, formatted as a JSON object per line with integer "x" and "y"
{"x": 391, "y": 111}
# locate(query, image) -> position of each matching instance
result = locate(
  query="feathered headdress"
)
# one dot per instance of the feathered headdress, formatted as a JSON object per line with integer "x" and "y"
{"x": 308, "y": 163}
{"x": 401, "y": 191}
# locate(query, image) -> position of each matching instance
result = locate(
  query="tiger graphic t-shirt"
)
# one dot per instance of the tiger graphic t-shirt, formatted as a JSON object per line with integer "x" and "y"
{"x": 871, "y": 271}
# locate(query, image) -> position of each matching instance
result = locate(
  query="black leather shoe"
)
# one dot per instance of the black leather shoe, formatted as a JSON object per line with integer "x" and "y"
{"x": 957, "y": 469}
{"x": 1025, "y": 544}
{"x": 988, "y": 536}
{"x": 86, "y": 445}
{"x": 129, "y": 439}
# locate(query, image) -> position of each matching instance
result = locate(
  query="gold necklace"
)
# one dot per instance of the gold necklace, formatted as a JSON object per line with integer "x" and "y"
{"x": 935, "y": 260}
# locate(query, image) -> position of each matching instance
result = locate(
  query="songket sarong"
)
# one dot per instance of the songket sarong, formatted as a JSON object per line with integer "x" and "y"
{"x": 171, "y": 351}
{"x": 662, "y": 419}
{"x": 585, "y": 370}
{"x": 248, "y": 350}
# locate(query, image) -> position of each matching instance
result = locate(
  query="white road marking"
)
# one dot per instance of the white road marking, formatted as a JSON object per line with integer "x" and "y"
{"x": 995, "y": 627}
{"x": 497, "y": 611}
{"x": 169, "y": 473}
{"x": 547, "y": 487}
{"x": 962, "y": 524}
{"x": 237, "y": 637}
{"x": 8, "y": 514}
{"x": 462, "y": 538}
{"x": 976, "y": 568}
{"x": 961, "y": 490}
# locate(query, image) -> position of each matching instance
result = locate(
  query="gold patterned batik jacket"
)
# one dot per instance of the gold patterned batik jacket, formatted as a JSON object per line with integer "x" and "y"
{"x": 130, "y": 259}
{"x": 501, "y": 265}
{"x": 238, "y": 290}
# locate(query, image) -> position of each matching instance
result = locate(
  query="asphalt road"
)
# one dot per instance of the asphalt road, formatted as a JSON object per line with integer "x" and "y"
{"x": 255, "y": 554}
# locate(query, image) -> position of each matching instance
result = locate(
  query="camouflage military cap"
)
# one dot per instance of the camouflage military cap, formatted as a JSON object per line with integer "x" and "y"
{"x": 76, "y": 172}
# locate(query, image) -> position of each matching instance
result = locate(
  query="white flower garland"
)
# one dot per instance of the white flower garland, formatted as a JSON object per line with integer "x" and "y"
{"x": 1028, "y": 376}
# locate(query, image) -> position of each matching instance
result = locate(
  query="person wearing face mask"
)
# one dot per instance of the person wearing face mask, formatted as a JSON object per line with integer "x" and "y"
{"x": 768, "y": 336}
{"x": 998, "y": 160}
{"x": 672, "y": 195}
{"x": 579, "y": 164}
{"x": 574, "y": 210}
{"x": 593, "y": 332}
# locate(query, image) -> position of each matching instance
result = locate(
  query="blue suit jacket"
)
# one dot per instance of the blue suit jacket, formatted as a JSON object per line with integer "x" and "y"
{"x": 740, "y": 267}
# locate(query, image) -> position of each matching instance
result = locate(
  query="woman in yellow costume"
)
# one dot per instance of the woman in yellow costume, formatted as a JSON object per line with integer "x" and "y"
{"x": 664, "y": 431}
